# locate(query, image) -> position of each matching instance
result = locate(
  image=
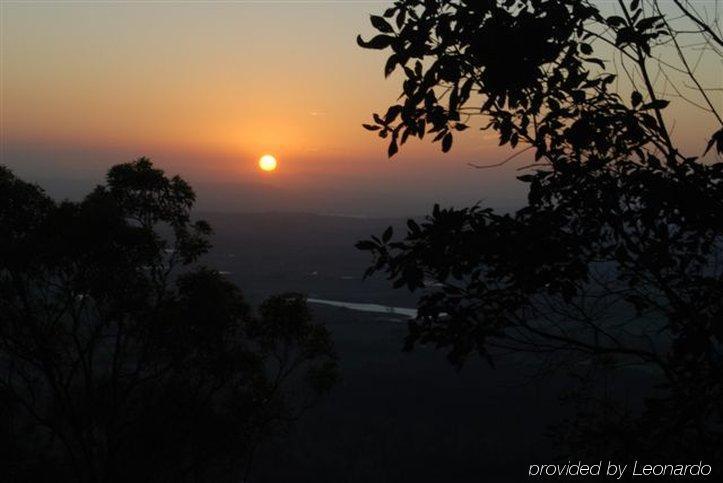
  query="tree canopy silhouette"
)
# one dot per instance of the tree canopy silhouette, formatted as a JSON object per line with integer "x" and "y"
{"x": 124, "y": 360}
{"x": 616, "y": 258}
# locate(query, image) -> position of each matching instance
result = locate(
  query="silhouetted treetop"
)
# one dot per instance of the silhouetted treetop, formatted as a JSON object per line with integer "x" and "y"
{"x": 122, "y": 359}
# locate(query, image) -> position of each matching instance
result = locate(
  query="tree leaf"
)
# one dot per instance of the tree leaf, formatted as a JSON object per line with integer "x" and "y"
{"x": 647, "y": 23}
{"x": 616, "y": 21}
{"x": 392, "y": 113}
{"x": 656, "y": 104}
{"x": 380, "y": 24}
{"x": 391, "y": 64}
{"x": 387, "y": 235}
{"x": 447, "y": 142}
{"x": 379, "y": 42}
{"x": 393, "y": 148}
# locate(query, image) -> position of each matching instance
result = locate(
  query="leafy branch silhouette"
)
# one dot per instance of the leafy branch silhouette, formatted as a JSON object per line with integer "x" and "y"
{"x": 615, "y": 259}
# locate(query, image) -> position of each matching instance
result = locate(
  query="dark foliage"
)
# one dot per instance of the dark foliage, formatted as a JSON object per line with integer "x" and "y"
{"x": 118, "y": 366}
{"x": 616, "y": 259}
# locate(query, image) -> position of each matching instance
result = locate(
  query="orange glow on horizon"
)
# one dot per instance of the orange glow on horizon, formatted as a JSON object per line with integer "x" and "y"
{"x": 220, "y": 93}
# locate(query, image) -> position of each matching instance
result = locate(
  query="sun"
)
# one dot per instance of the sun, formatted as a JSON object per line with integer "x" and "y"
{"x": 267, "y": 162}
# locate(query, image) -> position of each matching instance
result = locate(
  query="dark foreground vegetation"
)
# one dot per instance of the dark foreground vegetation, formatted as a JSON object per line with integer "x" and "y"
{"x": 616, "y": 259}
{"x": 121, "y": 359}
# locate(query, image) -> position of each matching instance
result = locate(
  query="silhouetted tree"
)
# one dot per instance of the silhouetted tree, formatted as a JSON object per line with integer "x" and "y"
{"x": 115, "y": 365}
{"x": 616, "y": 258}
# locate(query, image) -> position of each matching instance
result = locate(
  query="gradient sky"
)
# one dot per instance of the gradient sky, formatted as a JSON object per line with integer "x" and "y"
{"x": 205, "y": 88}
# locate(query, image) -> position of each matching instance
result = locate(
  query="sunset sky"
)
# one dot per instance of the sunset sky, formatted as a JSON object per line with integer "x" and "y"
{"x": 206, "y": 88}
